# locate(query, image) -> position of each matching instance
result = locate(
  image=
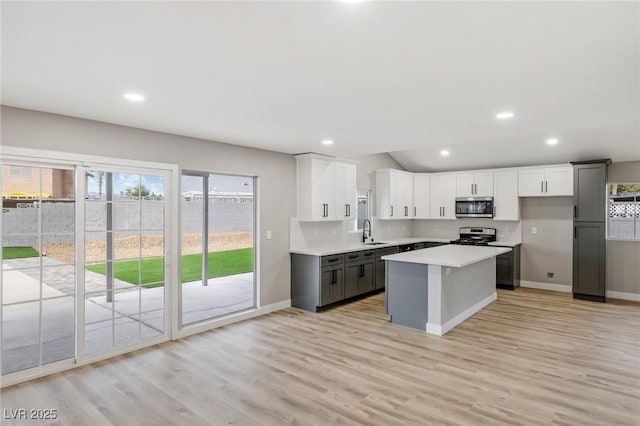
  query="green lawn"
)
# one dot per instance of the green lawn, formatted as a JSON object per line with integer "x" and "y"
{"x": 221, "y": 264}
{"x": 19, "y": 252}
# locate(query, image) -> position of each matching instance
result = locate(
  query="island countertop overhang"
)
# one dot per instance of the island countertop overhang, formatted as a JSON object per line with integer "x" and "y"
{"x": 456, "y": 256}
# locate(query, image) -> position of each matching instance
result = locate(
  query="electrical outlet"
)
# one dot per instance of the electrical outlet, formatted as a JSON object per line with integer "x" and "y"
{"x": 550, "y": 275}
{"x": 268, "y": 235}
{"x": 534, "y": 230}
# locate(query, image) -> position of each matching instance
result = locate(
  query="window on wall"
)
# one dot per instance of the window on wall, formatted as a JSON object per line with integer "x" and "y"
{"x": 624, "y": 211}
{"x": 16, "y": 171}
{"x": 364, "y": 208}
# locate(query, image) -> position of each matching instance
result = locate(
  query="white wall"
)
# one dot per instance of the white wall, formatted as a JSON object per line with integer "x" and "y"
{"x": 276, "y": 172}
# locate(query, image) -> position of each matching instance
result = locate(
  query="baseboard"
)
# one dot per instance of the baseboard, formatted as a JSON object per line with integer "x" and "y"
{"x": 624, "y": 296}
{"x": 545, "y": 286}
{"x": 240, "y": 316}
{"x": 439, "y": 330}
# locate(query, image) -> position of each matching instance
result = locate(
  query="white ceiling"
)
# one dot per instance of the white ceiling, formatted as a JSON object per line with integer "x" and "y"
{"x": 409, "y": 78}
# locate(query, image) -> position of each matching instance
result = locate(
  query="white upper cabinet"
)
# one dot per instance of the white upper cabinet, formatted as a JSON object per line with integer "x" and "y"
{"x": 545, "y": 181}
{"x": 421, "y": 197}
{"x": 442, "y": 196}
{"x": 345, "y": 190}
{"x": 326, "y": 188}
{"x": 506, "y": 204}
{"x": 394, "y": 194}
{"x": 474, "y": 184}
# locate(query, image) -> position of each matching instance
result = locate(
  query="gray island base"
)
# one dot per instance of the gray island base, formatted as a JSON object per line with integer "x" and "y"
{"x": 437, "y": 288}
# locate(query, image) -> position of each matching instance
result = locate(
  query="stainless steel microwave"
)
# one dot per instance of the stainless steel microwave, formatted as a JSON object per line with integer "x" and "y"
{"x": 474, "y": 207}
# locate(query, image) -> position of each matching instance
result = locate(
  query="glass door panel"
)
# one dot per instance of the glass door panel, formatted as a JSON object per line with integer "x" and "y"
{"x": 38, "y": 266}
{"x": 217, "y": 245}
{"x": 124, "y": 259}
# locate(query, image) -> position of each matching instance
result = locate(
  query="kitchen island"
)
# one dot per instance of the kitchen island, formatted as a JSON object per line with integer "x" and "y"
{"x": 436, "y": 289}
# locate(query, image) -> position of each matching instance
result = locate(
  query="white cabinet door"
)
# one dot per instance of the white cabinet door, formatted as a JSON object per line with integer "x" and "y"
{"x": 464, "y": 185}
{"x": 443, "y": 196}
{"x": 558, "y": 180}
{"x": 421, "y": 196}
{"x": 322, "y": 192}
{"x": 316, "y": 188}
{"x": 395, "y": 194}
{"x": 545, "y": 181}
{"x": 505, "y": 195}
{"x": 474, "y": 184}
{"x": 449, "y": 197}
{"x": 407, "y": 195}
{"x": 345, "y": 190}
{"x": 483, "y": 184}
{"x": 531, "y": 182}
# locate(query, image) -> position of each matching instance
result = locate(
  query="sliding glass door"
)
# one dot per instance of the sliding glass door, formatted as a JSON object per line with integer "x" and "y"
{"x": 38, "y": 266}
{"x": 124, "y": 253}
{"x": 218, "y": 221}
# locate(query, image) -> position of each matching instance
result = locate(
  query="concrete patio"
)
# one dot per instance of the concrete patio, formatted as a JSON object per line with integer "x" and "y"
{"x": 135, "y": 314}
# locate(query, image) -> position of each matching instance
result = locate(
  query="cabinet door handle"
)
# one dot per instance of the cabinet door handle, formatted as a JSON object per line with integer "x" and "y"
{"x": 443, "y": 207}
{"x": 541, "y": 186}
{"x": 575, "y": 211}
{"x": 391, "y": 210}
{"x": 475, "y": 187}
{"x": 332, "y": 260}
{"x": 546, "y": 186}
{"x": 406, "y": 211}
{"x": 334, "y": 276}
{"x": 361, "y": 271}
{"x": 574, "y": 232}
{"x": 346, "y": 210}
{"x": 415, "y": 211}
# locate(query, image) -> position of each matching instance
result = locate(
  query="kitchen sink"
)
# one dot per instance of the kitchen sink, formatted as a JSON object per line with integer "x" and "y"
{"x": 375, "y": 243}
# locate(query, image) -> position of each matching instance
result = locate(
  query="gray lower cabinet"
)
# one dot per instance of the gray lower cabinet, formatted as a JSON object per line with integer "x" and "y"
{"x": 508, "y": 269}
{"x": 589, "y": 260}
{"x": 380, "y": 265}
{"x": 331, "y": 284}
{"x": 359, "y": 273}
{"x": 316, "y": 280}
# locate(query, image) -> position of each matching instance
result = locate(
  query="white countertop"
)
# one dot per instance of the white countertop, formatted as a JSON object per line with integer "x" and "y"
{"x": 505, "y": 243}
{"x": 329, "y": 250}
{"x": 456, "y": 256}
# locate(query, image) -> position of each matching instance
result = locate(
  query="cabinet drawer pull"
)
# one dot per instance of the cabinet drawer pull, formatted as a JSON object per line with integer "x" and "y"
{"x": 332, "y": 260}
{"x": 353, "y": 257}
{"x": 368, "y": 254}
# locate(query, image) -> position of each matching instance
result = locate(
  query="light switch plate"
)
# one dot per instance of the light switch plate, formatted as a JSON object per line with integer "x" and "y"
{"x": 534, "y": 230}
{"x": 268, "y": 235}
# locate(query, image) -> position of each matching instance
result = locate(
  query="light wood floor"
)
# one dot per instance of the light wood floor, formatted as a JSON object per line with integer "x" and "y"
{"x": 533, "y": 357}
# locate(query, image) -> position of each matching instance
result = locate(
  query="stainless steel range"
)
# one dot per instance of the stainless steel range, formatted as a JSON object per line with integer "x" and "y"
{"x": 475, "y": 236}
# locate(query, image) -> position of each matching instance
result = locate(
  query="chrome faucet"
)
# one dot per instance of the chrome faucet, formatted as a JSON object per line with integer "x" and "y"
{"x": 364, "y": 230}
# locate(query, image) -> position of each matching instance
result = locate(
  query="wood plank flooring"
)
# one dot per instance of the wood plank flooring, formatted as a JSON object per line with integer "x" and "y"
{"x": 531, "y": 358}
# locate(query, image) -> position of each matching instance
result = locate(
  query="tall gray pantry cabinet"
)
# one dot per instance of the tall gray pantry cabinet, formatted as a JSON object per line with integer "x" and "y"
{"x": 589, "y": 229}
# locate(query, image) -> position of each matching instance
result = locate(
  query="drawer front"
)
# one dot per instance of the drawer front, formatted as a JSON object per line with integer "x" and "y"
{"x": 336, "y": 259}
{"x": 353, "y": 257}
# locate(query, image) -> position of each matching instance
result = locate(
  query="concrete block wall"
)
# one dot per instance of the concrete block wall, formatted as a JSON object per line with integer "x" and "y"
{"x": 20, "y": 227}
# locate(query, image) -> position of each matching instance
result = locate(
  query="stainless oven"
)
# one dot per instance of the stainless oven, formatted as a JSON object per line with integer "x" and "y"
{"x": 474, "y": 207}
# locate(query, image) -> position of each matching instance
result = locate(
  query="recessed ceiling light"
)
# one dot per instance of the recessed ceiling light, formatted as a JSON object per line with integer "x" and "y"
{"x": 444, "y": 153}
{"x": 552, "y": 141}
{"x": 327, "y": 142}
{"x": 504, "y": 115}
{"x": 135, "y": 97}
